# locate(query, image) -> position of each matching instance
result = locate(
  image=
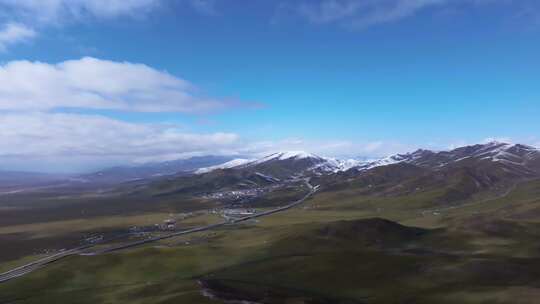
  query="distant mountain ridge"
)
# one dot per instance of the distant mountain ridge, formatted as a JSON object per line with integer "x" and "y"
{"x": 109, "y": 176}
{"x": 511, "y": 154}
{"x": 456, "y": 174}
{"x": 441, "y": 178}
{"x": 515, "y": 156}
{"x": 473, "y": 167}
{"x": 154, "y": 170}
{"x": 296, "y": 163}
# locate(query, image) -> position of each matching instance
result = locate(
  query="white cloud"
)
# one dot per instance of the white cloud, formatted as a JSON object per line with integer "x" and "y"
{"x": 59, "y": 11}
{"x": 13, "y": 33}
{"x": 99, "y": 84}
{"x": 98, "y": 139}
{"x": 35, "y": 135}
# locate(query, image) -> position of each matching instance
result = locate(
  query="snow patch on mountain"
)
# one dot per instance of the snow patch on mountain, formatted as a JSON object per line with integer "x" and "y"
{"x": 509, "y": 153}
{"x": 295, "y": 155}
{"x": 230, "y": 164}
{"x": 334, "y": 165}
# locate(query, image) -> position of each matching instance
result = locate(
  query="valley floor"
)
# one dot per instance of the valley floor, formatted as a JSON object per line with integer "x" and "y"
{"x": 338, "y": 247}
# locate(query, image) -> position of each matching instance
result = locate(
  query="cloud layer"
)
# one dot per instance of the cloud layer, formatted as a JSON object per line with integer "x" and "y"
{"x": 98, "y": 84}
{"x": 46, "y": 134}
{"x": 35, "y": 127}
{"x": 65, "y": 142}
{"x": 99, "y": 139}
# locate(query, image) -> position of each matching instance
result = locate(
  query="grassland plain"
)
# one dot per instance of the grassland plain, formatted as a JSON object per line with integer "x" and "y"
{"x": 329, "y": 250}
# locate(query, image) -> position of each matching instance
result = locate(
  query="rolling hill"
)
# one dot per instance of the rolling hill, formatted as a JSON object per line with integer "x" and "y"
{"x": 457, "y": 226}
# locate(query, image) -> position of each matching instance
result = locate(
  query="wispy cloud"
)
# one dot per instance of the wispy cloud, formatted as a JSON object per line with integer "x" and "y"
{"x": 329, "y": 148}
{"x": 13, "y": 33}
{"x": 204, "y": 7}
{"x": 359, "y": 14}
{"x": 24, "y": 18}
{"x": 101, "y": 84}
{"x": 27, "y": 17}
{"x": 60, "y": 11}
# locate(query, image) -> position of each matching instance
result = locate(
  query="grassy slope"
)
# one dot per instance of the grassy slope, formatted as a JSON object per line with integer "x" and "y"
{"x": 53, "y": 221}
{"x": 363, "y": 266}
{"x": 487, "y": 253}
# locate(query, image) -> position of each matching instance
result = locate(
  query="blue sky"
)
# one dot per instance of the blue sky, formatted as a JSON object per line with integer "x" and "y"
{"x": 338, "y": 78}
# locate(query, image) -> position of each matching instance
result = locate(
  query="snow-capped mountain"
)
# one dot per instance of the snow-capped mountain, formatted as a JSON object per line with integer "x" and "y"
{"x": 304, "y": 163}
{"x": 512, "y": 154}
{"x": 284, "y": 165}
{"x": 463, "y": 172}
{"x": 288, "y": 155}
{"x": 298, "y": 163}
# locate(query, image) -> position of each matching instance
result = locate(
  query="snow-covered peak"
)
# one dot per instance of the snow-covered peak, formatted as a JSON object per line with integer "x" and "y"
{"x": 338, "y": 165}
{"x": 296, "y": 155}
{"x": 291, "y": 155}
{"x": 522, "y": 148}
{"x": 370, "y": 164}
{"x": 230, "y": 164}
{"x": 517, "y": 154}
{"x": 493, "y": 146}
{"x": 346, "y": 164}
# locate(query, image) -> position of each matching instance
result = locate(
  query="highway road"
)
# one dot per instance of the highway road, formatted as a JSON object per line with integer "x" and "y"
{"x": 27, "y": 268}
{"x": 24, "y": 269}
{"x": 213, "y": 226}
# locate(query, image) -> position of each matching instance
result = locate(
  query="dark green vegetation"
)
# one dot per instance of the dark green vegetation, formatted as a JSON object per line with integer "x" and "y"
{"x": 411, "y": 232}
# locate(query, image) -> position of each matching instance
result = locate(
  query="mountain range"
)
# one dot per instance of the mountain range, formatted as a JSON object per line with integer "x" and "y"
{"x": 10, "y": 180}
{"x": 451, "y": 176}
{"x": 153, "y": 169}
{"x": 514, "y": 158}
{"x": 470, "y": 169}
